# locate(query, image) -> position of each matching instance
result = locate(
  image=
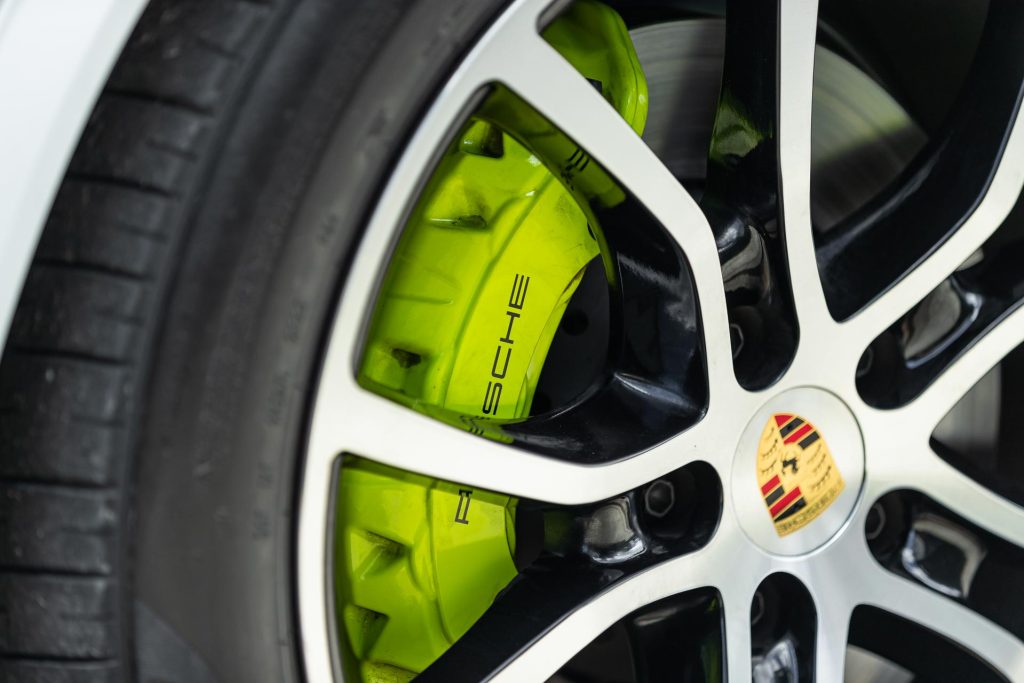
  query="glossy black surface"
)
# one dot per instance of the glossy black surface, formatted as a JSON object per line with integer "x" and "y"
{"x": 675, "y": 639}
{"x": 741, "y": 197}
{"x": 994, "y": 459}
{"x": 653, "y": 383}
{"x": 578, "y": 353}
{"x": 678, "y": 638}
{"x": 906, "y": 358}
{"x": 536, "y": 600}
{"x": 580, "y": 552}
{"x": 782, "y": 630}
{"x": 975, "y": 568}
{"x": 924, "y": 653}
{"x": 865, "y": 254}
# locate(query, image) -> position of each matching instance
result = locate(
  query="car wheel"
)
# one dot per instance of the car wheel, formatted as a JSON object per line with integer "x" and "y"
{"x": 625, "y": 341}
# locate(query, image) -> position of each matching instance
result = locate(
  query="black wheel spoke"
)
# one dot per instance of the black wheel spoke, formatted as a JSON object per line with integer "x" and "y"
{"x": 581, "y": 554}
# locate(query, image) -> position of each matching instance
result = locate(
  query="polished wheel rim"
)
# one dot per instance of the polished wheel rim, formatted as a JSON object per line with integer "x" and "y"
{"x": 837, "y": 567}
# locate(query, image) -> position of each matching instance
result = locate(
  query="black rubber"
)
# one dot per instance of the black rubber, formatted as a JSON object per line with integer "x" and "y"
{"x": 154, "y": 390}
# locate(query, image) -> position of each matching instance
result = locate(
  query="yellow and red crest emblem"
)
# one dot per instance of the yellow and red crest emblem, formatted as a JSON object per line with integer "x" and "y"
{"x": 796, "y": 472}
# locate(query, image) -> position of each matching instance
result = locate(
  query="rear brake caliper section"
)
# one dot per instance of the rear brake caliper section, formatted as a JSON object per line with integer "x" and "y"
{"x": 418, "y": 561}
{"x": 491, "y": 255}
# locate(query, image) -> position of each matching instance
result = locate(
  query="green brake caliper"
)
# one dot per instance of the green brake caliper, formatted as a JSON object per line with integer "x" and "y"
{"x": 486, "y": 265}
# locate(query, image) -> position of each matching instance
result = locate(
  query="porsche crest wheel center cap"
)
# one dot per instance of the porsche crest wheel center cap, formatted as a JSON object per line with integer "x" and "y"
{"x": 797, "y": 471}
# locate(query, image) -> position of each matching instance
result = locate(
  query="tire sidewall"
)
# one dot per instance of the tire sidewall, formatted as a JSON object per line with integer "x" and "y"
{"x": 238, "y": 357}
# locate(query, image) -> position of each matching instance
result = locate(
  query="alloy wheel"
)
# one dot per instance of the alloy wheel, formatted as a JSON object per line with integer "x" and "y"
{"x": 820, "y": 353}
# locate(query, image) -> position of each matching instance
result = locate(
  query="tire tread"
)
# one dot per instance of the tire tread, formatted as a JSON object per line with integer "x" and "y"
{"x": 71, "y": 371}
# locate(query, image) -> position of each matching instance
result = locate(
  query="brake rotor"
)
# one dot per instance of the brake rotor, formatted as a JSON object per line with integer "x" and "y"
{"x": 861, "y": 138}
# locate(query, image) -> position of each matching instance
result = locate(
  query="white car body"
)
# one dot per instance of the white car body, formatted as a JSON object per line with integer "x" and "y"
{"x": 55, "y": 57}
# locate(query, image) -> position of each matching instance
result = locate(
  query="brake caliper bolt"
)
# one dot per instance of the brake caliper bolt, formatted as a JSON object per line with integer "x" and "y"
{"x": 659, "y": 498}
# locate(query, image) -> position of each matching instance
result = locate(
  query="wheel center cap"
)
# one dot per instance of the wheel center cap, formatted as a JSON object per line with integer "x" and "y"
{"x": 797, "y": 471}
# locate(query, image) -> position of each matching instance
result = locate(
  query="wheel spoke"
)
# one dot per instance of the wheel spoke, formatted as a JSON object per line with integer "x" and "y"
{"x": 948, "y": 618}
{"x": 848, "y": 575}
{"x": 351, "y": 419}
{"x": 987, "y": 218}
{"x": 830, "y": 639}
{"x": 759, "y": 181}
{"x": 835, "y": 584}
{"x": 955, "y": 490}
{"x": 909, "y": 462}
{"x": 737, "y": 634}
{"x": 737, "y": 589}
{"x": 797, "y": 32}
{"x": 936, "y": 333}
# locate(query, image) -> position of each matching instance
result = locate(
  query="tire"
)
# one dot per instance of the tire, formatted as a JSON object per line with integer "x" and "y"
{"x": 153, "y": 391}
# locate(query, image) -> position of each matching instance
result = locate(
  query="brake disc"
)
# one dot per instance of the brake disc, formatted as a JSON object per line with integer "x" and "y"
{"x": 861, "y": 138}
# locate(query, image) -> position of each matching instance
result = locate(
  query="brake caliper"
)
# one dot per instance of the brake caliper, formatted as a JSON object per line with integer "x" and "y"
{"x": 488, "y": 261}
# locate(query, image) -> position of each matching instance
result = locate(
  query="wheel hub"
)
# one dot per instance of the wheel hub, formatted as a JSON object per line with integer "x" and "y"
{"x": 797, "y": 471}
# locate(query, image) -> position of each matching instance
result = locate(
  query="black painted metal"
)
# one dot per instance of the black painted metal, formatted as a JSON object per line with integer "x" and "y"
{"x": 655, "y": 384}
{"x": 992, "y": 591}
{"x": 579, "y": 350}
{"x": 996, "y": 464}
{"x": 786, "y": 618}
{"x": 741, "y": 197}
{"x": 678, "y": 639}
{"x": 866, "y": 254}
{"x": 918, "y": 347}
{"x": 573, "y": 568}
{"x": 910, "y": 645}
{"x": 536, "y": 600}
